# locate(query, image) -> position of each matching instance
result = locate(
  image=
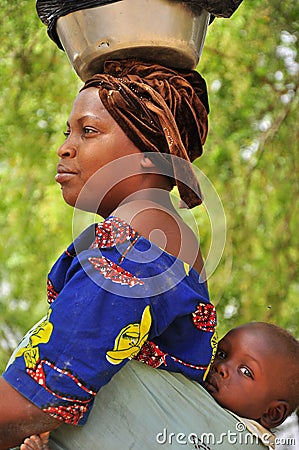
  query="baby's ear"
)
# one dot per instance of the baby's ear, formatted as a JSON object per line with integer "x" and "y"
{"x": 276, "y": 413}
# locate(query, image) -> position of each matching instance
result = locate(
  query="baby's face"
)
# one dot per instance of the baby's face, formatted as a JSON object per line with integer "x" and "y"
{"x": 245, "y": 376}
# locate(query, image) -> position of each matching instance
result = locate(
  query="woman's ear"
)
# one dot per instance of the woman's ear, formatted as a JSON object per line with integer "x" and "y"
{"x": 147, "y": 163}
{"x": 276, "y": 413}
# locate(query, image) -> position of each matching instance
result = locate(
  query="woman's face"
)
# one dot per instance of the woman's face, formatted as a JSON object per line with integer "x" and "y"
{"x": 93, "y": 140}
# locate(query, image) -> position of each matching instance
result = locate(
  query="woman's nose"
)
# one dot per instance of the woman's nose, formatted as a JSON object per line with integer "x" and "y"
{"x": 222, "y": 369}
{"x": 67, "y": 149}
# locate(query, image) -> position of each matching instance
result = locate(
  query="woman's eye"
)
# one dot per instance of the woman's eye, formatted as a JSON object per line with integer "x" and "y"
{"x": 88, "y": 130}
{"x": 66, "y": 133}
{"x": 246, "y": 372}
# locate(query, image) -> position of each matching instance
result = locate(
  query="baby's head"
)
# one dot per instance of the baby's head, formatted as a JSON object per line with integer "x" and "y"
{"x": 256, "y": 373}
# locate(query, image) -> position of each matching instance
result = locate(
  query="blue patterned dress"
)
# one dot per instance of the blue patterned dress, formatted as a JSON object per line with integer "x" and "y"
{"x": 113, "y": 296}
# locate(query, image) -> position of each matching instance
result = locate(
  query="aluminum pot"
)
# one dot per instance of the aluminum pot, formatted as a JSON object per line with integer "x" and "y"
{"x": 163, "y": 31}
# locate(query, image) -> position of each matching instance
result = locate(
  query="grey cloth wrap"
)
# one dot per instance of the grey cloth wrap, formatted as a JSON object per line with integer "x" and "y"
{"x": 151, "y": 409}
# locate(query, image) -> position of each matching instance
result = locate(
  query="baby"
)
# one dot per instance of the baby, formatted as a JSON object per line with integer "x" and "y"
{"x": 255, "y": 375}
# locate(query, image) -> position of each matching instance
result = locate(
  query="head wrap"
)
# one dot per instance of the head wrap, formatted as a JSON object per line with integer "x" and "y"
{"x": 161, "y": 110}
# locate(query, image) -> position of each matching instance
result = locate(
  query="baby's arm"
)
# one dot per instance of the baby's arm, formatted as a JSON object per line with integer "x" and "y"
{"x": 36, "y": 442}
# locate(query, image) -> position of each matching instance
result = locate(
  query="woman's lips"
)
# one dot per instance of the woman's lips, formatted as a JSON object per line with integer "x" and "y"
{"x": 62, "y": 177}
{"x": 64, "y": 173}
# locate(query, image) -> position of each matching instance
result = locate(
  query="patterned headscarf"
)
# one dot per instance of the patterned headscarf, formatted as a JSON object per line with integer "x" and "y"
{"x": 161, "y": 110}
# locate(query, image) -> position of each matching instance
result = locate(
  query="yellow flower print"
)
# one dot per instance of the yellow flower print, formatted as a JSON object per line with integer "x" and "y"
{"x": 40, "y": 334}
{"x": 130, "y": 339}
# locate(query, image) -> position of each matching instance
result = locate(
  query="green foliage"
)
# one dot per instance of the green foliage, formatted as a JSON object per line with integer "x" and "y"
{"x": 251, "y": 156}
{"x": 251, "y": 66}
{"x": 35, "y": 223}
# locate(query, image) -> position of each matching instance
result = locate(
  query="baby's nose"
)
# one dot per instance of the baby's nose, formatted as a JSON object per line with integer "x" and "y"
{"x": 221, "y": 369}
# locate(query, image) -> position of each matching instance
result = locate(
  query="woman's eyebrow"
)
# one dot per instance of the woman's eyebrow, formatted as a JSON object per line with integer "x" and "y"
{"x": 97, "y": 119}
{"x": 89, "y": 116}
{"x": 85, "y": 116}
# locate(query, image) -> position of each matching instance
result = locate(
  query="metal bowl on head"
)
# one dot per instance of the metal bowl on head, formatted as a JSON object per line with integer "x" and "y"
{"x": 166, "y": 32}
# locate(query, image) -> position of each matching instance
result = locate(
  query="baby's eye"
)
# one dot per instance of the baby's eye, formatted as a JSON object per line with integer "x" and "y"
{"x": 221, "y": 354}
{"x": 246, "y": 372}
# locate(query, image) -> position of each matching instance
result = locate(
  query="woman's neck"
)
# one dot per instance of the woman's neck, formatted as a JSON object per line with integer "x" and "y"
{"x": 147, "y": 198}
{"x": 156, "y": 219}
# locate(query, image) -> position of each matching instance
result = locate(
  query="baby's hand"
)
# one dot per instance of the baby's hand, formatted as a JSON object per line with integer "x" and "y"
{"x": 36, "y": 442}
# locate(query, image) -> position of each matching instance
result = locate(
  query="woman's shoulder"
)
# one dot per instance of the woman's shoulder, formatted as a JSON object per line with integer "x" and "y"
{"x": 166, "y": 229}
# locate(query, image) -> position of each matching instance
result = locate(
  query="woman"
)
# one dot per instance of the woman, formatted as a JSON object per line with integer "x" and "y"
{"x": 129, "y": 287}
